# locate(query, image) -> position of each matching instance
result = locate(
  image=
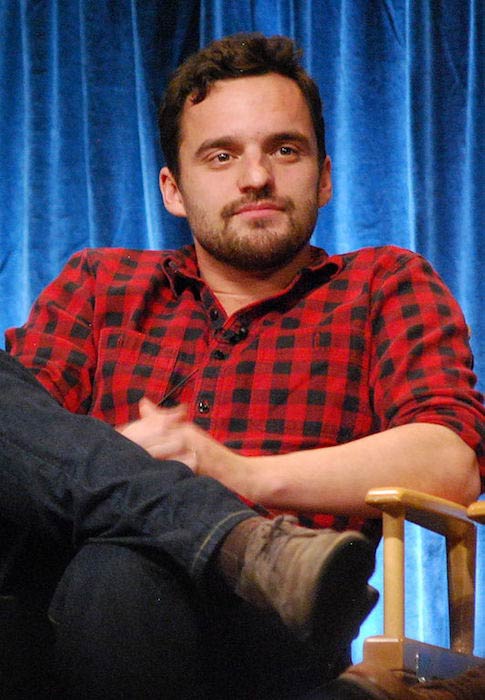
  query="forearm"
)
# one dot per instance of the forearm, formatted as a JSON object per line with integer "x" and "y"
{"x": 336, "y": 479}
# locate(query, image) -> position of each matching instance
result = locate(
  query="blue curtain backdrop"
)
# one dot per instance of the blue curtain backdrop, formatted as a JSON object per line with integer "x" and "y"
{"x": 403, "y": 86}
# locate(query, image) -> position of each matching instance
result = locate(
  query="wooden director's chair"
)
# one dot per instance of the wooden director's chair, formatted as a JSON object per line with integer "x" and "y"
{"x": 393, "y": 662}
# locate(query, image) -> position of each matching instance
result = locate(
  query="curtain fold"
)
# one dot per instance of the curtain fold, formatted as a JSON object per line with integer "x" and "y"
{"x": 403, "y": 87}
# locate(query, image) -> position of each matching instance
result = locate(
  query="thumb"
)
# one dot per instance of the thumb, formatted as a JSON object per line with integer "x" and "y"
{"x": 174, "y": 414}
{"x": 147, "y": 407}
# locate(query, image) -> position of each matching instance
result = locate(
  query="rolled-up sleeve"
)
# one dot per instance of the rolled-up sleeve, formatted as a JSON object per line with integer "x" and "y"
{"x": 421, "y": 362}
{"x": 56, "y": 342}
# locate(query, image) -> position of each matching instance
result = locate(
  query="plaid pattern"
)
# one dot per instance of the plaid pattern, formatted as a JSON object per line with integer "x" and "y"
{"x": 356, "y": 344}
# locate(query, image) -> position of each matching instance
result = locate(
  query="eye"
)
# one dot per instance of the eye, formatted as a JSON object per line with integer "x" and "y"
{"x": 287, "y": 151}
{"x": 222, "y": 157}
{"x": 288, "y": 154}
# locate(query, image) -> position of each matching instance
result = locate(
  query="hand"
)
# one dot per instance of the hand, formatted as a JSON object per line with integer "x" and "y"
{"x": 216, "y": 460}
{"x": 162, "y": 432}
{"x": 166, "y": 434}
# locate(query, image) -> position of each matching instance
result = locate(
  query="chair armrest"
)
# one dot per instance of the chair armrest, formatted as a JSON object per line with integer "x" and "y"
{"x": 446, "y": 518}
{"x": 476, "y": 511}
{"x": 438, "y": 514}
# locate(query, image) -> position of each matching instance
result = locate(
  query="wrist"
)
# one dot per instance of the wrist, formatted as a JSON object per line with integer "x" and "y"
{"x": 221, "y": 463}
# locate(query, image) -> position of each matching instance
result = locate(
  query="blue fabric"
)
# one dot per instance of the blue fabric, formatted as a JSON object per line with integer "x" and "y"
{"x": 402, "y": 83}
{"x": 179, "y": 650}
{"x": 48, "y": 489}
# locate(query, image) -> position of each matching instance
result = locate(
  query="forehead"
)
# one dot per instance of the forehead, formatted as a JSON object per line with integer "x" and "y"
{"x": 244, "y": 106}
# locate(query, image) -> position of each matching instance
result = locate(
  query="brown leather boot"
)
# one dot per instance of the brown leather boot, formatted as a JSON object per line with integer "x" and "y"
{"x": 316, "y": 580}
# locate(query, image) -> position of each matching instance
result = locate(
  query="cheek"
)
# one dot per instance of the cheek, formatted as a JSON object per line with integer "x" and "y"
{"x": 304, "y": 194}
{"x": 202, "y": 206}
{"x": 300, "y": 185}
{"x": 212, "y": 199}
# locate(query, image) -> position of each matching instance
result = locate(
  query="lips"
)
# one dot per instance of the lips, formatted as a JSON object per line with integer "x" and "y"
{"x": 258, "y": 208}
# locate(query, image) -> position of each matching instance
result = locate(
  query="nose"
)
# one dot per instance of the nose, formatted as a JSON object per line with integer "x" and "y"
{"x": 256, "y": 173}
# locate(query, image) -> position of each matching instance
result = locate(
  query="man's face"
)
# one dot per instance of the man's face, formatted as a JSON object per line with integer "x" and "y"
{"x": 249, "y": 180}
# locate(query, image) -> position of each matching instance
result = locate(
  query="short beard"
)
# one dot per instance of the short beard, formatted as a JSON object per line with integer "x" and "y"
{"x": 267, "y": 251}
{"x": 238, "y": 254}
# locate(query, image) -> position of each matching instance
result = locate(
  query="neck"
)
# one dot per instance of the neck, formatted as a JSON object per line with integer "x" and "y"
{"x": 236, "y": 288}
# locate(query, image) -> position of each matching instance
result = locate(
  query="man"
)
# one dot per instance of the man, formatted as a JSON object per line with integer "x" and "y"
{"x": 296, "y": 379}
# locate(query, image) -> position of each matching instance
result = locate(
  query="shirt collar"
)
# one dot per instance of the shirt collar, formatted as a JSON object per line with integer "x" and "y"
{"x": 181, "y": 267}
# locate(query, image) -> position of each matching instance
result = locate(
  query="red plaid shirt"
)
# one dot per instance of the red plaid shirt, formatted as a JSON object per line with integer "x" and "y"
{"x": 356, "y": 344}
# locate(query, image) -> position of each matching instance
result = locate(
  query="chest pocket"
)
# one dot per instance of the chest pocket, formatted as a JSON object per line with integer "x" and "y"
{"x": 130, "y": 365}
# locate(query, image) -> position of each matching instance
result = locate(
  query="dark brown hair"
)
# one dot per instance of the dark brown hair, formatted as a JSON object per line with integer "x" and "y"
{"x": 234, "y": 56}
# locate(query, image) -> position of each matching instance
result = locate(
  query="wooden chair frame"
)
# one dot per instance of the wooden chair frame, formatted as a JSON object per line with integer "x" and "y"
{"x": 393, "y": 650}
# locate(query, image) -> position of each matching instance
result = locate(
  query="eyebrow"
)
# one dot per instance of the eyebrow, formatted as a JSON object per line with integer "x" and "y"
{"x": 221, "y": 142}
{"x": 230, "y": 142}
{"x": 292, "y": 136}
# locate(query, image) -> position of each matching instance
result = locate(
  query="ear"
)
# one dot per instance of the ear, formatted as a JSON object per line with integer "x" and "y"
{"x": 325, "y": 183}
{"x": 172, "y": 197}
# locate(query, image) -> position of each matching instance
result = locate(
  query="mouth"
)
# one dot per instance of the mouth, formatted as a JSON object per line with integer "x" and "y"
{"x": 257, "y": 210}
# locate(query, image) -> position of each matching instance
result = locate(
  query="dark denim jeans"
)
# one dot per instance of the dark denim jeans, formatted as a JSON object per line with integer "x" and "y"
{"x": 118, "y": 547}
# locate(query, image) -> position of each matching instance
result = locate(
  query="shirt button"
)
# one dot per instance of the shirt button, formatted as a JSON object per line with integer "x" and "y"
{"x": 203, "y": 407}
{"x": 219, "y": 355}
{"x": 237, "y": 336}
{"x": 214, "y": 314}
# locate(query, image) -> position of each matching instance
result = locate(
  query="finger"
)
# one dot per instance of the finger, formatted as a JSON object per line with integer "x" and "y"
{"x": 181, "y": 409}
{"x": 166, "y": 446}
{"x": 187, "y": 457}
{"x": 173, "y": 414}
{"x": 147, "y": 407}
